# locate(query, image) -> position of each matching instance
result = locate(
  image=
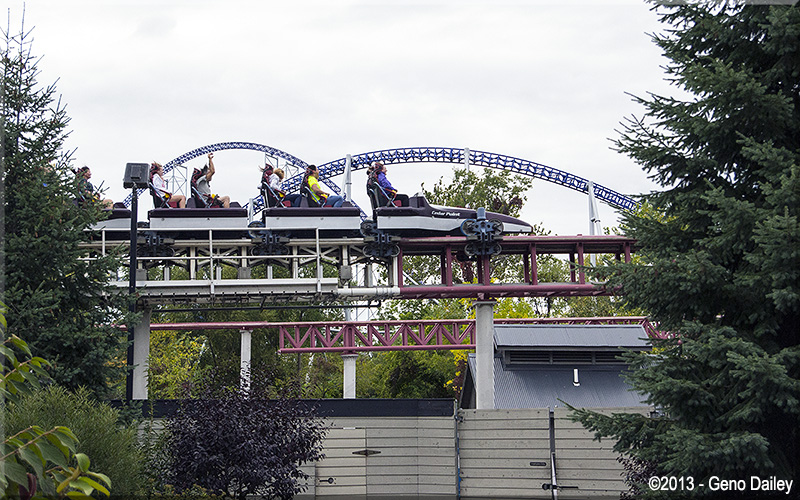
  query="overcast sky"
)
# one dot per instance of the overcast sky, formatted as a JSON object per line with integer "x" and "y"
{"x": 543, "y": 81}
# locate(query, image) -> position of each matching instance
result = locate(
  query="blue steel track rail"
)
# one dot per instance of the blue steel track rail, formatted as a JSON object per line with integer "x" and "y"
{"x": 221, "y": 146}
{"x": 417, "y": 155}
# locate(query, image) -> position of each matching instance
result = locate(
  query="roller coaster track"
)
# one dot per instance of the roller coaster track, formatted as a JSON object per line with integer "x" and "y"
{"x": 217, "y": 270}
{"x": 416, "y": 155}
{"x": 222, "y": 146}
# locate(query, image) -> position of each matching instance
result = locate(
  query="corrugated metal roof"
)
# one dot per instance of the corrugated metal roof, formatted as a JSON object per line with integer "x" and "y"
{"x": 588, "y": 337}
{"x": 541, "y": 386}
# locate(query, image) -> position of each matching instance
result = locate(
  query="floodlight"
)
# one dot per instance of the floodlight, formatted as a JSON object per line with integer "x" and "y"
{"x": 136, "y": 175}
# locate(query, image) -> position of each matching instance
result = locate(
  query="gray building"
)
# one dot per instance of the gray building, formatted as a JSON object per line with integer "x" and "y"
{"x": 545, "y": 366}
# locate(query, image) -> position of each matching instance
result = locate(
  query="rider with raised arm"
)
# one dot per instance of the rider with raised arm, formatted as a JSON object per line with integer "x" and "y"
{"x": 204, "y": 184}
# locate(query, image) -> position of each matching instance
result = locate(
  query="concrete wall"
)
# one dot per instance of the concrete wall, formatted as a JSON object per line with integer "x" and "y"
{"x": 412, "y": 457}
{"x": 581, "y": 461}
{"x": 496, "y": 449}
{"x": 500, "y": 454}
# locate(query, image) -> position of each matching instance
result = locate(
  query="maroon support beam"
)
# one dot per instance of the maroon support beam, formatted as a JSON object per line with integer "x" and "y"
{"x": 447, "y": 266}
{"x": 501, "y": 290}
{"x": 529, "y": 248}
{"x": 366, "y": 336}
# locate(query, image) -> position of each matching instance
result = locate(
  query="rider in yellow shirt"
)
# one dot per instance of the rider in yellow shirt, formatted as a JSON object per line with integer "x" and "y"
{"x": 317, "y": 194}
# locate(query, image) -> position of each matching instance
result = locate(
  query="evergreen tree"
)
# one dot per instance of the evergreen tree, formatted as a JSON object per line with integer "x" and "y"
{"x": 60, "y": 304}
{"x": 721, "y": 269}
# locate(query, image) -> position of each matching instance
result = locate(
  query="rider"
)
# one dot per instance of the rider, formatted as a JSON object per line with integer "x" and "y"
{"x": 274, "y": 179}
{"x": 86, "y": 189}
{"x": 317, "y": 194}
{"x": 276, "y": 183}
{"x": 271, "y": 179}
{"x": 160, "y": 185}
{"x": 379, "y": 171}
{"x": 204, "y": 186}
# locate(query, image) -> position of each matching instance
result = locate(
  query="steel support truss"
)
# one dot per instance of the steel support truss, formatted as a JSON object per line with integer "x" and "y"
{"x": 369, "y": 336}
{"x": 233, "y": 271}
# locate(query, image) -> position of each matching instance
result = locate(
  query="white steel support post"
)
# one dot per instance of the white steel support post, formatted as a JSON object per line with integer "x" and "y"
{"x": 246, "y": 354}
{"x": 484, "y": 355}
{"x": 395, "y": 272}
{"x": 349, "y": 373}
{"x": 295, "y": 263}
{"x": 141, "y": 353}
{"x": 466, "y": 158}
{"x": 319, "y": 264}
{"x": 349, "y": 367}
{"x": 368, "y": 282}
{"x": 594, "y": 217}
{"x": 348, "y": 183}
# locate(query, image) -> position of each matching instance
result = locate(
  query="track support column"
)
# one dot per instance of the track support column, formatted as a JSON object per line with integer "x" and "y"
{"x": 349, "y": 373}
{"x": 484, "y": 354}
{"x": 246, "y": 355}
{"x": 141, "y": 353}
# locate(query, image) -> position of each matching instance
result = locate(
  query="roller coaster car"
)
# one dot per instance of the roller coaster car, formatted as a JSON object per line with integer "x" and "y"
{"x": 117, "y": 227}
{"x": 305, "y": 221}
{"x": 420, "y": 218}
{"x": 417, "y": 219}
{"x": 195, "y": 223}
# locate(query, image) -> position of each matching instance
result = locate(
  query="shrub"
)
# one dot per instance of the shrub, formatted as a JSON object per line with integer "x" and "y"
{"x": 236, "y": 443}
{"x": 113, "y": 448}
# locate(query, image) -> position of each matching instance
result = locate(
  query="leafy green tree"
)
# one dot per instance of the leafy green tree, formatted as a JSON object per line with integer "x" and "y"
{"x": 179, "y": 359}
{"x": 323, "y": 377}
{"x": 720, "y": 262}
{"x": 600, "y": 307}
{"x": 174, "y": 357}
{"x": 495, "y": 191}
{"x": 62, "y": 303}
{"x": 412, "y": 374}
